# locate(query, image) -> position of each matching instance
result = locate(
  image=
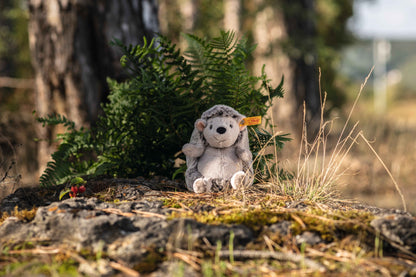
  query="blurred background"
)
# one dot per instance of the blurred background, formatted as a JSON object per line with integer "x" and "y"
{"x": 55, "y": 56}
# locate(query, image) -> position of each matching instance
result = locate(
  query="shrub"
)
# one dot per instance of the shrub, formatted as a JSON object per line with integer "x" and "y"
{"x": 151, "y": 115}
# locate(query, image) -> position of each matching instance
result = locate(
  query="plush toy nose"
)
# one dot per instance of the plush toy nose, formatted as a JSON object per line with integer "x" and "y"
{"x": 221, "y": 130}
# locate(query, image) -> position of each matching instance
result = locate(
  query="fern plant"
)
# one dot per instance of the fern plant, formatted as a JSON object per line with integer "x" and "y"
{"x": 221, "y": 64}
{"x": 151, "y": 115}
{"x": 67, "y": 162}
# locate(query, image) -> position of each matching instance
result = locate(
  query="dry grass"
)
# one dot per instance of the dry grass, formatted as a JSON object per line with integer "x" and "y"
{"x": 324, "y": 164}
{"x": 393, "y": 139}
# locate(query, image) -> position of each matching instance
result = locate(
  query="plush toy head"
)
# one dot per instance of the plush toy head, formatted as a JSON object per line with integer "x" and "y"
{"x": 220, "y": 126}
{"x": 220, "y": 131}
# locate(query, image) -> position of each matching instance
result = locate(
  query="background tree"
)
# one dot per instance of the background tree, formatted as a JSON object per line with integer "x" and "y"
{"x": 294, "y": 38}
{"x": 71, "y": 55}
{"x": 16, "y": 122}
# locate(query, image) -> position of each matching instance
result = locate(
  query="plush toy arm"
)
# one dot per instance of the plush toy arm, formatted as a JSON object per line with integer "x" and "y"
{"x": 193, "y": 150}
{"x": 196, "y": 146}
{"x": 242, "y": 147}
{"x": 244, "y": 154}
{"x": 242, "y": 150}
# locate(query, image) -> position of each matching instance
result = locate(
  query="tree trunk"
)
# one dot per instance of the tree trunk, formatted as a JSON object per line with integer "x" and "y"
{"x": 269, "y": 31}
{"x": 285, "y": 32}
{"x": 71, "y": 55}
{"x": 299, "y": 17}
{"x": 232, "y": 12}
{"x": 188, "y": 9}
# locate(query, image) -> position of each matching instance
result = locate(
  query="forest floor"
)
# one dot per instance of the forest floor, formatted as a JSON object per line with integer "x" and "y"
{"x": 139, "y": 227}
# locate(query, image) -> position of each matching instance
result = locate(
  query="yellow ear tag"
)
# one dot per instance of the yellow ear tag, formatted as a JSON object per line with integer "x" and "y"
{"x": 248, "y": 121}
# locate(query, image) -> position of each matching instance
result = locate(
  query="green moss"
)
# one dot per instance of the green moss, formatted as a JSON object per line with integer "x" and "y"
{"x": 171, "y": 203}
{"x": 332, "y": 225}
{"x": 24, "y": 215}
{"x": 38, "y": 266}
{"x": 254, "y": 218}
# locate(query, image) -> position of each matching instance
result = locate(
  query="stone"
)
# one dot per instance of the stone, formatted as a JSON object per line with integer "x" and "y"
{"x": 281, "y": 227}
{"x": 130, "y": 232}
{"x": 309, "y": 238}
{"x": 400, "y": 229}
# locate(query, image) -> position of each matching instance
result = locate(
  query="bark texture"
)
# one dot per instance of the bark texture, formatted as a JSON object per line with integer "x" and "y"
{"x": 269, "y": 30}
{"x": 286, "y": 45}
{"x": 72, "y": 57}
{"x": 232, "y": 13}
{"x": 303, "y": 55}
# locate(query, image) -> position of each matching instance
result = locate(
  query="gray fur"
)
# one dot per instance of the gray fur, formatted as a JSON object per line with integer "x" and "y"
{"x": 217, "y": 158}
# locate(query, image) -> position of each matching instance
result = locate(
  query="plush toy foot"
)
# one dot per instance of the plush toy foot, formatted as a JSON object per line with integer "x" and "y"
{"x": 202, "y": 185}
{"x": 237, "y": 179}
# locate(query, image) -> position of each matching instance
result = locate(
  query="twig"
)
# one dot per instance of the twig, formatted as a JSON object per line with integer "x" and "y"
{"x": 36, "y": 251}
{"x": 128, "y": 214}
{"x": 7, "y": 172}
{"x": 116, "y": 211}
{"x": 10, "y": 82}
{"x": 148, "y": 214}
{"x": 124, "y": 269}
{"x": 189, "y": 259}
{"x": 280, "y": 256}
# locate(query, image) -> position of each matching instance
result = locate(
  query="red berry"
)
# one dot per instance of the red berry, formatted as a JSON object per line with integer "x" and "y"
{"x": 74, "y": 189}
{"x": 72, "y": 195}
{"x": 81, "y": 189}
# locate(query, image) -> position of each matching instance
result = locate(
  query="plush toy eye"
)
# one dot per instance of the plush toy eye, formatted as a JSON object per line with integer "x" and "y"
{"x": 210, "y": 127}
{"x": 231, "y": 125}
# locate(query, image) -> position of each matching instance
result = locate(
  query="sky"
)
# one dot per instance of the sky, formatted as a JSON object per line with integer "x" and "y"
{"x": 390, "y": 19}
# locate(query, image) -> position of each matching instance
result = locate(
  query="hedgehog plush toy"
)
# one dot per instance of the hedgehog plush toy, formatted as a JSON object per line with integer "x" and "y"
{"x": 218, "y": 154}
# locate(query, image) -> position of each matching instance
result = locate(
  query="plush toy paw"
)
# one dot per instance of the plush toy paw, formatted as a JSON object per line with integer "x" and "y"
{"x": 243, "y": 154}
{"x": 193, "y": 150}
{"x": 202, "y": 185}
{"x": 237, "y": 179}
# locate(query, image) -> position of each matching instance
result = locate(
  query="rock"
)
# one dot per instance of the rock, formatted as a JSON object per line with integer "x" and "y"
{"x": 158, "y": 235}
{"x": 400, "y": 229}
{"x": 282, "y": 228}
{"x": 106, "y": 189}
{"x": 309, "y": 238}
{"x": 130, "y": 232}
{"x": 100, "y": 268}
{"x": 27, "y": 198}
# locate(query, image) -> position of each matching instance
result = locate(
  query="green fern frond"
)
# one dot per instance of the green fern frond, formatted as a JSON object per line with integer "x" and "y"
{"x": 56, "y": 172}
{"x": 56, "y": 119}
{"x": 150, "y": 116}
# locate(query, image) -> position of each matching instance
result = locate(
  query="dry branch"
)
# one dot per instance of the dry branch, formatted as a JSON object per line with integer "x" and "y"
{"x": 279, "y": 256}
{"x": 9, "y": 82}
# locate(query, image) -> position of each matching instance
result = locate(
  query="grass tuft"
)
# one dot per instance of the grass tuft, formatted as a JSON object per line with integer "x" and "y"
{"x": 320, "y": 162}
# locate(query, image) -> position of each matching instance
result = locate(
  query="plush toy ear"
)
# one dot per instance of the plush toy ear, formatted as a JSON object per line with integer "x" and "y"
{"x": 200, "y": 124}
{"x": 241, "y": 124}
